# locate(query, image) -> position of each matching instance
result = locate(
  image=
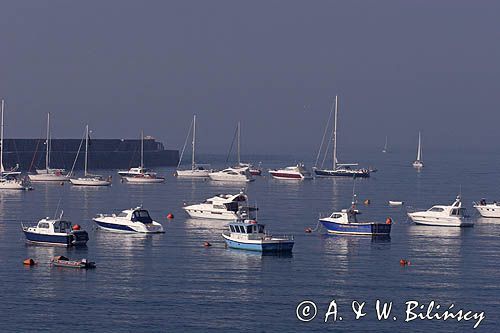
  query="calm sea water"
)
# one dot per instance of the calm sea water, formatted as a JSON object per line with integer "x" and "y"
{"x": 170, "y": 282}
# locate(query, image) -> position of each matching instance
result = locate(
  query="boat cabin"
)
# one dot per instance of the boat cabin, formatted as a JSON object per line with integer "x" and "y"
{"x": 345, "y": 216}
{"x": 48, "y": 226}
{"x": 136, "y": 215}
{"x": 247, "y": 229}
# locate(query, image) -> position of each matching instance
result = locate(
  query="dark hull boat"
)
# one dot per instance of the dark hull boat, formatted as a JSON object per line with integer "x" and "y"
{"x": 352, "y": 173}
{"x": 55, "y": 232}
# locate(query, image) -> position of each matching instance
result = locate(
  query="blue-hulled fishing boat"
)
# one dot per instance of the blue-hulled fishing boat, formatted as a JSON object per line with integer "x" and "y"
{"x": 346, "y": 222}
{"x": 250, "y": 235}
{"x": 55, "y": 232}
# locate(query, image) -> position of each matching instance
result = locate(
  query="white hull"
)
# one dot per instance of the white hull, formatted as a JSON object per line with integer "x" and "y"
{"x": 489, "y": 210}
{"x": 122, "y": 226}
{"x": 440, "y": 221}
{"x": 48, "y": 177}
{"x": 193, "y": 173}
{"x": 143, "y": 180}
{"x": 12, "y": 185}
{"x": 418, "y": 164}
{"x": 229, "y": 178}
{"x": 89, "y": 182}
{"x": 395, "y": 203}
{"x": 202, "y": 213}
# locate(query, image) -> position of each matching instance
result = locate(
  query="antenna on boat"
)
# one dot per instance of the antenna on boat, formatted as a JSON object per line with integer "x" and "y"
{"x": 57, "y": 209}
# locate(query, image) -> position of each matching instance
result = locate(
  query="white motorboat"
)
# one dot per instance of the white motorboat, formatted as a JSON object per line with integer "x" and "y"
{"x": 488, "y": 209}
{"x": 338, "y": 169}
{"x": 223, "y": 207}
{"x": 88, "y": 179}
{"x": 419, "y": 162}
{"x": 296, "y": 172}
{"x": 130, "y": 220}
{"x": 48, "y": 174}
{"x": 453, "y": 215}
{"x": 395, "y": 203}
{"x": 232, "y": 175}
{"x": 196, "y": 171}
{"x": 141, "y": 175}
{"x": 9, "y": 180}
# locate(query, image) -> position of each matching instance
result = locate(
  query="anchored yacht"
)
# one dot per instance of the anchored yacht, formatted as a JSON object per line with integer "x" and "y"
{"x": 296, "y": 172}
{"x": 453, "y": 215}
{"x": 130, "y": 220}
{"x": 232, "y": 175}
{"x": 223, "y": 207}
{"x": 488, "y": 209}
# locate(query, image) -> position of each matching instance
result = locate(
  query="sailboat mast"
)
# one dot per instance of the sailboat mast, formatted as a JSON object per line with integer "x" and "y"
{"x": 47, "y": 154}
{"x": 194, "y": 141}
{"x": 419, "y": 153}
{"x": 142, "y": 149}
{"x": 1, "y": 142}
{"x": 335, "y": 135}
{"x": 239, "y": 134}
{"x": 86, "y": 148}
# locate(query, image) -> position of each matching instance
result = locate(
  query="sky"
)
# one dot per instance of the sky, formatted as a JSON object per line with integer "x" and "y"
{"x": 125, "y": 66}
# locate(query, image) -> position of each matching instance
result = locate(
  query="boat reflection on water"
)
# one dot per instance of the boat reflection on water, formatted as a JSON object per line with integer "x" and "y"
{"x": 349, "y": 244}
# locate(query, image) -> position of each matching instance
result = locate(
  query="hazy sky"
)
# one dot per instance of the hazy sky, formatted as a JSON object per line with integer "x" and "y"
{"x": 398, "y": 66}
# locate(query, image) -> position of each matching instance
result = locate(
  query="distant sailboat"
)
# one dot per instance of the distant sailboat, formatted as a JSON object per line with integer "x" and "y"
{"x": 255, "y": 171}
{"x": 48, "y": 174}
{"x": 385, "y": 146}
{"x": 144, "y": 176}
{"x": 8, "y": 179}
{"x": 88, "y": 179}
{"x": 338, "y": 169}
{"x": 419, "y": 162}
{"x": 196, "y": 171}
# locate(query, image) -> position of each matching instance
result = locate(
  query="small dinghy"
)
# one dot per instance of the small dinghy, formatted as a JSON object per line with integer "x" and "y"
{"x": 62, "y": 261}
{"x": 395, "y": 203}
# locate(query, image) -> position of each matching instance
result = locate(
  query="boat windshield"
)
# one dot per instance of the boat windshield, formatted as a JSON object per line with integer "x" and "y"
{"x": 458, "y": 212}
{"x": 141, "y": 216}
{"x": 62, "y": 226}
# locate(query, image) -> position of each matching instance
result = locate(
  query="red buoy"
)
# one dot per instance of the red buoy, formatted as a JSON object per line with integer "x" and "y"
{"x": 308, "y": 230}
{"x": 76, "y": 227}
{"x": 207, "y": 244}
{"x": 388, "y": 220}
{"x": 170, "y": 216}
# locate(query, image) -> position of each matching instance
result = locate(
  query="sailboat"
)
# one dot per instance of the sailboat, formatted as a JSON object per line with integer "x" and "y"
{"x": 143, "y": 175}
{"x": 419, "y": 163}
{"x": 338, "y": 169}
{"x": 385, "y": 146}
{"x": 254, "y": 171}
{"x": 88, "y": 179}
{"x": 9, "y": 179}
{"x": 48, "y": 174}
{"x": 196, "y": 171}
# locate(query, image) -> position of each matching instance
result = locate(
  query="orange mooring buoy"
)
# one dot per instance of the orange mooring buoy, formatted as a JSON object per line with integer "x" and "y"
{"x": 29, "y": 262}
{"x": 206, "y": 244}
{"x": 388, "y": 220}
{"x": 170, "y": 216}
{"x": 367, "y": 202}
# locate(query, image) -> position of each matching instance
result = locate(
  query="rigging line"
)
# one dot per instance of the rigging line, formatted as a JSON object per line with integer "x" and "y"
{"x": 232, "y": 144}
{"x": 326, "y": 153}
{"x": 324, "y": 134}
{"x": 77, "y": 154}
{"x": 185, "y": 143}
